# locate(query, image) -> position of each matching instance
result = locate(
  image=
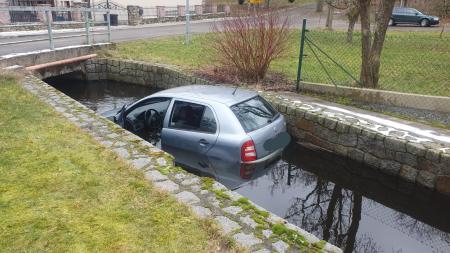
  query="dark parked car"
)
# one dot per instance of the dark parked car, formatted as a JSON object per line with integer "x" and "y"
{"x": 233, "y": 134}
{"x": 411, "y": 16}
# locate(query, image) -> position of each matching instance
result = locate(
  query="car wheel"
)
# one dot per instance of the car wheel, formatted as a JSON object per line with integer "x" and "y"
{"x": 391, "y": 22}
{"x": 424, "y": 23}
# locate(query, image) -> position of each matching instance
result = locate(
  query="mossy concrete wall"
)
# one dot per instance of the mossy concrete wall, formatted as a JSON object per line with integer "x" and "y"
{"x": 47, "y": 55}
{"x": 400, "y": 99}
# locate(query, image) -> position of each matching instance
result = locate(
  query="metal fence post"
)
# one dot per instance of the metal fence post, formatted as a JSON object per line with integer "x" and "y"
{"x": 88, "y": 35}
{"x": 188, "y": 14}
{"x": 301, "y": 55}
{"x": 49, "y": 28}
{"x": 108, "y": 19}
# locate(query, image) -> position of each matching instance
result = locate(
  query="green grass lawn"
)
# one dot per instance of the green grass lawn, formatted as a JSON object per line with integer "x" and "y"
{"x": 60, "y": 191}
{"x": 416, "y": 62}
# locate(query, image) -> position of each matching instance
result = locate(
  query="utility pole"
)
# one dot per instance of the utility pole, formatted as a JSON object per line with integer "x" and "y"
{"x": 188, "y": 14}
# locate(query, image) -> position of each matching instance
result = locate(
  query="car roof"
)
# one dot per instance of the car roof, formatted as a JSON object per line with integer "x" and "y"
{"x": 404, "y": 8}
{"x": 216, "y": 93}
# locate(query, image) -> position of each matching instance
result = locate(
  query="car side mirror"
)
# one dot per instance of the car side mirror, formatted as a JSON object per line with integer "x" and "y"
{"x": 417, "y": 14}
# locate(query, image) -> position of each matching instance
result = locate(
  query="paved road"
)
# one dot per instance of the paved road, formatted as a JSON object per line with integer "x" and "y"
{"x": 151, "y": 31}
{"x": 142, "y": 32}
{"x": 116, "y": 36}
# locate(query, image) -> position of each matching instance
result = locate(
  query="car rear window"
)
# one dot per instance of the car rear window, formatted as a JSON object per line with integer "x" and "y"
{"x": 254, "y": 113}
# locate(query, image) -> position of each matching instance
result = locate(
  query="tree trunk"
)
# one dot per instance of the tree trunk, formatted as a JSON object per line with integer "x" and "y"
{"x": 319, "y": 6}
{"x": 354, "y": 225}
{"x": 330, "y": 15}
{"x": 371, "y": 50}
{"x": 352, "y": 15}
{"x": 337, "y": 194}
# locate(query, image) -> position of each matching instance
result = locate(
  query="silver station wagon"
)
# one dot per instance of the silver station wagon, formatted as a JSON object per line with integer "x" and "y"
{"x": 230, "y": 133}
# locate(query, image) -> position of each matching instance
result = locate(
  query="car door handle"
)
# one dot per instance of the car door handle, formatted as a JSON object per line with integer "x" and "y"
{"x": 203, "y": 142}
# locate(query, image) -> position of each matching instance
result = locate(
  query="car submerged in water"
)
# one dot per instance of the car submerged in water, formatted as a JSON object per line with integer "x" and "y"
{"x": 232, "y": 134}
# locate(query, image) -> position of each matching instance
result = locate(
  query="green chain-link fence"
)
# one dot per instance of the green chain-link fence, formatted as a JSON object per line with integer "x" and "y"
{"x": 413, "y": 62}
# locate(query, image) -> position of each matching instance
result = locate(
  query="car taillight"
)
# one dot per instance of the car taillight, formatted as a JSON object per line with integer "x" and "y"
{"x": 246, "y": 171}
{"x": 248, "y": 151}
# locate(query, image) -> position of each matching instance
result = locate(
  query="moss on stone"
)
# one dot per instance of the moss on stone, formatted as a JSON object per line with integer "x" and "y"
{"x": 288, "y": 235}
{"x": 320, "y": 244}
{"x": 222, "y": 194}
{"x": 245, "y": 204}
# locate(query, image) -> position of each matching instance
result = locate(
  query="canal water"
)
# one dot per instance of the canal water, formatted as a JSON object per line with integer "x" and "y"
{"x": 343, "y": 202}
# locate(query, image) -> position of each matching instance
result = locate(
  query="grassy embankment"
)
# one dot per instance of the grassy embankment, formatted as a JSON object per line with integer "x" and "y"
{"x": 60, "y": 191}
{"x": 414, "y": 62}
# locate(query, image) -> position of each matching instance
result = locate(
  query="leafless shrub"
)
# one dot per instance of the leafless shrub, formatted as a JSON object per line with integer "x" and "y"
{"x": 246, "y": 45}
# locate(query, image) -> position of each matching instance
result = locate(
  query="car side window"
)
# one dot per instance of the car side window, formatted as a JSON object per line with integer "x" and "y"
{"x": 411, "y": 11}
{"x": 192, "y": 117}
{"x": 208, "y": 123}
{"x": 158, "y": 104}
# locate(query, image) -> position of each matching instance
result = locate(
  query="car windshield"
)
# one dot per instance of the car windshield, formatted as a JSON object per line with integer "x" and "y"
{"x": 254, "y": 113}
{"x": 418, "y": 12}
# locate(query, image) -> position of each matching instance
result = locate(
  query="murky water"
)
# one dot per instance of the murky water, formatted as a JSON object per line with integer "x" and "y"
{"x": 340, "y": 201}
{"x": 352, "y": 206}
{"x": 100, "y": 96}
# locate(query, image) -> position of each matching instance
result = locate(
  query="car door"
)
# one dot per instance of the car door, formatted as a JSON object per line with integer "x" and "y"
{"x": 134, "y": 118}
{"x": 398, "y": 15}
{"x": 191, "y": 132}
{"x": 412, "y": 16}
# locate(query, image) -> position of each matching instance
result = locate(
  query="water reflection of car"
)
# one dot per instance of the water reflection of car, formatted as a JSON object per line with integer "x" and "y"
{"x": 402, "y": 15}
{"x": 230, "y": 133}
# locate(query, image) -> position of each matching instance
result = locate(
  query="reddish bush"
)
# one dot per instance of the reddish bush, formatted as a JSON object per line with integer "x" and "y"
{"x": 246, "y": 45}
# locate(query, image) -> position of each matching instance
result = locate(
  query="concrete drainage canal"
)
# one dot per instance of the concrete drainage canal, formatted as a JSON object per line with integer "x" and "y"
{"x": 343, "y": 202}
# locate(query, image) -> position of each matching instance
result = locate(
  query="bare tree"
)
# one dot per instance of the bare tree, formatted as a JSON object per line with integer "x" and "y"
{"x": 352, "y": 15}
{"x": 319, "y": 6}
{"x": 372, "y": 43}
{"x": 330, "y": 15}
{"x": 443, "y": 9}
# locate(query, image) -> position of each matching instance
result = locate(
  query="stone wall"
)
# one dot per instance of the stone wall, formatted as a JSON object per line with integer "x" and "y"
{"x": 249, "y": 225}
{"x": 182, "y": 18}
{"x": 141, "y": 73}
{"x": 419, "y": 160}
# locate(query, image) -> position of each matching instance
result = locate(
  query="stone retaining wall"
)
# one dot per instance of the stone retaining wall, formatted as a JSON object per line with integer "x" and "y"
{"x": 418, "y": 160}
{"x": 248, "y": 224}
{"x": 141, "y": 73}
{"x": 181, "y": 18}
{"x": 413, "y": 158}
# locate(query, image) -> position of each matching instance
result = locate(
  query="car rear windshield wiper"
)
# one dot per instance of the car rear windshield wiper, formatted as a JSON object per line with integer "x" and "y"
{"x": 257, "y": 111}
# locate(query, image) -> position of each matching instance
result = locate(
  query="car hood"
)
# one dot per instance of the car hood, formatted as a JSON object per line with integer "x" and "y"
{"x": 111, "y": 113}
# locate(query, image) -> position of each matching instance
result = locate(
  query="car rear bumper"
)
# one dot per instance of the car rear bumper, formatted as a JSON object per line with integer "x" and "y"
{"x": 266, "y": 159}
